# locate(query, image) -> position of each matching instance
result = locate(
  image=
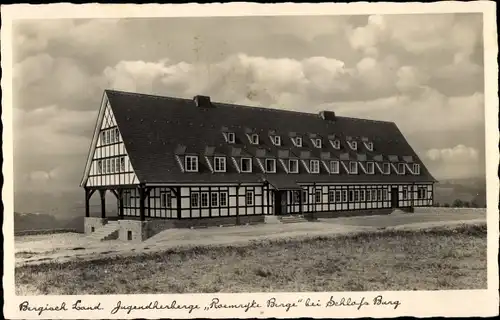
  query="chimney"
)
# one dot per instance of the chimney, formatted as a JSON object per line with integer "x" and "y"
{"x": 202, "y": 101}
{"x": 327, "y": 115}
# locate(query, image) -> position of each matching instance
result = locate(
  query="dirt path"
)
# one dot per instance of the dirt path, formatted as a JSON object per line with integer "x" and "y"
{"x": 66, "y": 247}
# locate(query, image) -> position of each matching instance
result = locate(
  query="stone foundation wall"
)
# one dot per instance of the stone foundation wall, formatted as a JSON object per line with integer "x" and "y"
{"x": 349, "y": 213}
{"x": 133, "y": 230}
{"x": 93, "y": 222}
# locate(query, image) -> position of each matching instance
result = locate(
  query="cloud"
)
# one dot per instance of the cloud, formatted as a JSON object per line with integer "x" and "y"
{"x": 459, "y": 153}
{"x": 457, "y": 162}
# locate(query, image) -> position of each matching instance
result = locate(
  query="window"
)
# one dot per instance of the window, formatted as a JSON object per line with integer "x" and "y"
{"x": 223, "y": 199}
{"x": 254, "y": 138}
{"x": 195, "y": 200}
{"x": 317, "y": 143}
{"x": 351, "y": 195}
{"x": 338, "y": 196}
{"x": 385, "y": 194}
{"x": 336, "y": 144}
{"x": 111, "y": 136}
{"x": 277, "y": 140}
{"x": 129, "y": 235}
{"x": 204, "y": 199}
{"x": 230, "y": 137}
{"x": 191, "y": 164}
{"x": 270, "y": 165}
{"x": 127, "y": 198}
{"x": 421, "y": 192}
{"x": 293, "y": 166}
{"x": 296, "y": 197}
{"x": 214, "y": 199}
{"x": 317, "y": 196}
{"x": 246, "y": 165}
{"x": 165, "y": 200}
{"x": 331, "y": 196}
{"x": 314, "y": 166}
{"x": 122, "y": 164}
{"x": 362, "y": 195}
{"x": 387, "y": 168}
{"x": 106, "y": 139}
{"x": 369, "y": 146}
{"x": 106, "y": 166}
{"x": 353, "y": 167}
{"x": 99, "y": 166}
{"x": 353, "y": 145}
{"x": 374, "y": 195}
{"x": 356, "y": 195}
{"x": 334, "y": 166}
{"x": 405, "y": 193}
{"x": 117, "y": 165}
{"x": 416, "y": 168}
{"x": 220, "y": 164}
{"x": 370, "y": 167}
{"x": 298, "y": 142}
{"x": 117, "y": 135}
{"x": 305, "y": 196}
{"x": 401, "y": 168}
{"x": 249, "y": 198}
{"x": 344, "y": 195}
{"x": 379, "y": 194}
{"x": 368, "y": 195}
{"x": 103, "y": 137}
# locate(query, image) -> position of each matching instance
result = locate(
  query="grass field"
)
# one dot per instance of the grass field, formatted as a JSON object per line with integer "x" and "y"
{"x": 432, "y": 259}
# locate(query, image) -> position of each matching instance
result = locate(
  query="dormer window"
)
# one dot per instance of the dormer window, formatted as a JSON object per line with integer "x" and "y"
{"x": 353, "y": 167}
{"x": 317, "y": 143}
{"x": 230, "y": 137}
{"x": 298, "y": 142}
{"x": 276, "y": 140}
{"x": 191, "y": 163}
{"x": 369, "y": 145}
{"x": 334, "y": 166}
{"x": 353, "y": 145}
{"x": 293, "y": 166}
{"x": 271, "y": 165}
{"x": 335, "y": 144}
{"x": 220, "y": 164}
{"x": 246, "y": 165}
{"x": 416, "y": 168}
{"x": 387, "y": 168}
{"x": 314, "y": 164}
{"x": 401, "y": 168}
{"x": 370, "y": 168}
{"x": 254, "y": 138}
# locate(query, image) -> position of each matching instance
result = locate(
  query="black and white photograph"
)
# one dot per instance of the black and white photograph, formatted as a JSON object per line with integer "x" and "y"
{"x": 240, "y": 159}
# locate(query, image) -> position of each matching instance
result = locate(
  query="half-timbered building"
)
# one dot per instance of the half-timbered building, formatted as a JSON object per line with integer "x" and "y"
{"x": 175, "y": 162}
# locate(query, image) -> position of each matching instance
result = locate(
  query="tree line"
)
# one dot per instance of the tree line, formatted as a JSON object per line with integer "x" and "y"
{"x": 458, "y": 203}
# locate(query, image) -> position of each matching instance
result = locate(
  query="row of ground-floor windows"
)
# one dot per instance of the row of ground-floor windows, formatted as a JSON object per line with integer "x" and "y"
{"x": 254, "y": 200}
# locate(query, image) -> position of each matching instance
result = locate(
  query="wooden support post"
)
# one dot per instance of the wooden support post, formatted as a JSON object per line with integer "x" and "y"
{"x": 87, "y": 202}
{"x": 179, "y": 204}
{"x": 102, "y": 193}
{"x": 142, "y": 198}
{"x": 238, "y": 204}
{"x": 120, "y": 203}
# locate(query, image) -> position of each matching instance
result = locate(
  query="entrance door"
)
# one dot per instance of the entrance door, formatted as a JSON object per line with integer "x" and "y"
{"x": 394, "y": 197}
{"x": 284, "y": 202}
{"x": 280, "y": 202}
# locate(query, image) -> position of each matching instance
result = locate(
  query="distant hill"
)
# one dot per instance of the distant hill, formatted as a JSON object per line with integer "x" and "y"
{"x": 470, "y": 190}
{"x": 43, "y": 221}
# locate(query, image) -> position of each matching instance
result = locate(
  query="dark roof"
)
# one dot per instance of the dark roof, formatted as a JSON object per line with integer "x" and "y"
{"x": 155, "y": 128}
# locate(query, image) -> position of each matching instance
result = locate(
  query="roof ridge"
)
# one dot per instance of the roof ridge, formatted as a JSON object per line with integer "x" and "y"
{"x": 234, "y": 105}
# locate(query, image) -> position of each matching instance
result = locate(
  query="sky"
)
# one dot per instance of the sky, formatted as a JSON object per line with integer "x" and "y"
{"x": 422, "y": 71}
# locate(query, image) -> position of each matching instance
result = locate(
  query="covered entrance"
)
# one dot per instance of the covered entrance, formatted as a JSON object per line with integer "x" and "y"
{"x": 286, "y": 201}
